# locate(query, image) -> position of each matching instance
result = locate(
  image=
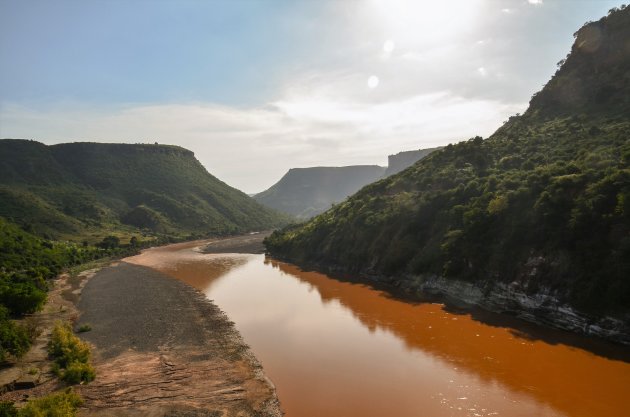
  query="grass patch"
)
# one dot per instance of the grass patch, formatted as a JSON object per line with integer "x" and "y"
{"x": 60, "y": 404}
{"x": 71, "y": 355}
{"x": 84, "y": 328}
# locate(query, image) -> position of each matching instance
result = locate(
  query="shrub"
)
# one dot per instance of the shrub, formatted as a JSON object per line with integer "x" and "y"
{"x": 78, "y": 372}
{"x": 14, "y": 338}
{"x": 71, "y": 355}
{"x": 61, "y": 404}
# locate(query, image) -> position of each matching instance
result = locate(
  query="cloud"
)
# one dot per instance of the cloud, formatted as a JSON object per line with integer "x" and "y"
{"x": 535, "y": 2}
{"x": 251, "y": 148}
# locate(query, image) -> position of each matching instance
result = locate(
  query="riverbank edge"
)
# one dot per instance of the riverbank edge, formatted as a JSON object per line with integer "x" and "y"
{"x": 65, "y": 293}
{"x": 271, "y": 407}
{"x": 543, "y": 308}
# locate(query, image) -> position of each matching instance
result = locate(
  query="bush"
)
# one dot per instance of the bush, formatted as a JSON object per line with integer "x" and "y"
{"x": 71, "y": 355}
{"x": 62, "y": 404}
{"x": 78, "y": 372}
{"x": 14, "y": 338}
{"x": 7, "y": 409}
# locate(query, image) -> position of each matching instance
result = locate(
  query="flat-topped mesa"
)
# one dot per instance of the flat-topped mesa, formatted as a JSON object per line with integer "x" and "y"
{"x": 124, "y": 147}
{"x": 64, "y": 190}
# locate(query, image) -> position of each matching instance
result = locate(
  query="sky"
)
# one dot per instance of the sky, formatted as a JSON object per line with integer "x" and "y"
{"x": 256, "y": 87}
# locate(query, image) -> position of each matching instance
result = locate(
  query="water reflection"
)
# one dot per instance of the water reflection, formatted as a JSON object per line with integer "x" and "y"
{"x": 341, "y": 349}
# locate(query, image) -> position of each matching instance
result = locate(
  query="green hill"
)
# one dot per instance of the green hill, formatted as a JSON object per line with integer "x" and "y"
{"x": 305, "y": 192}
{"x": 405, "y": 159}
{"x": 542, "y": 206}
{"x": 91, "y": 190}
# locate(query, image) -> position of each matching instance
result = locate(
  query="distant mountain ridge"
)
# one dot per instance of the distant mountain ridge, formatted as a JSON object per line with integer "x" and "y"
{"x": 89, "y": 190}
{"x": 405, "y": 159}
{"x": 306, "y": 192}
{"x": 534, "y": 220}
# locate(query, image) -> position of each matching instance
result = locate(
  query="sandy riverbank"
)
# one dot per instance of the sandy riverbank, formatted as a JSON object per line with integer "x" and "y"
{"x": 160, "y": 347}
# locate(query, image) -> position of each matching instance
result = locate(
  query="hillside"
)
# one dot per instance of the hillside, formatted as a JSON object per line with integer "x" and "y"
{"x": 541, "y": 208}
{"x": 405, "y": 159}
{"x": 305, "y": 192}
{"x": 91, "y": 190}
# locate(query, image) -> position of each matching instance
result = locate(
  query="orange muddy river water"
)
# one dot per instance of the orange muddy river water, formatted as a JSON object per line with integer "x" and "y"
{"x": 341, "y": 349}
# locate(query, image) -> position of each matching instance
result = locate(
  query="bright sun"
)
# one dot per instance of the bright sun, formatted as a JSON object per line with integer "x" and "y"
{"x": 424, "y": 21}
{"x": 373, "y": 81}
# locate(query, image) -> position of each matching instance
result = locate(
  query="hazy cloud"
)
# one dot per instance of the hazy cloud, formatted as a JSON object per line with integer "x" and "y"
{"x": 280, "y": 89}
{"x": 252, "y": 148}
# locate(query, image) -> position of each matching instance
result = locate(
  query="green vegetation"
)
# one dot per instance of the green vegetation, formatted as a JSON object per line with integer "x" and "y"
{"x": 61, "y": 404}
{"x": 7, "y": 409}
{"x": 91, "y": 191}
{"x": 84, "y": 328}
{"x": 15, "y": 339}
{"x": 27, "y": 262}
{"x": 71, "y": 355}
{"x": 305, "y": 192}
{"x": 545, "y": 201}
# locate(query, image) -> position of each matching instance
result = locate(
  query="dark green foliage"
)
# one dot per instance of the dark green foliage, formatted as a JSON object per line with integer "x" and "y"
{"x": 27, "y": 262}
{"x": 71, "y": 355}
{"x": 109, "y": 242}
{"x": 14, "y": 338}
{"x": 78, "y": 190}
{"x": 545, "y": 201}
{"x": 7, "y": 409}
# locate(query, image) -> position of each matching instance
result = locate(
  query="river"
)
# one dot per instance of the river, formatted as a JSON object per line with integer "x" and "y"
{"x": 343, "y": 349}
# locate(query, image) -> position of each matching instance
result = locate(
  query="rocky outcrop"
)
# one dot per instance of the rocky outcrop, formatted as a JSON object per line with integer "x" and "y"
{"x": 403, "y": 160}
{"x": 543, "y": 307}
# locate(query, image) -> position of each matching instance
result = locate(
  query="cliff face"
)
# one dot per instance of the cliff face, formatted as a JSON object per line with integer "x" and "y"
{"x": 90, "y": 189}
{"x": 544, "y": 307}
{"x": 542, "y": 206}
{"x": 405, "y": 159}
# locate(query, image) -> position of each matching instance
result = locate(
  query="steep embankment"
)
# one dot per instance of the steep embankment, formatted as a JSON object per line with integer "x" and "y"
{"x": 534, "y": 220}
{"x": 89, "y": 190}
{"x": 305, "y": 192}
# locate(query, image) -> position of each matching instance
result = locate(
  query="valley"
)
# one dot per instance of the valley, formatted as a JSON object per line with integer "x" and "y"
{"x": 486, "y": 277}
{"x": 337, "y": 348}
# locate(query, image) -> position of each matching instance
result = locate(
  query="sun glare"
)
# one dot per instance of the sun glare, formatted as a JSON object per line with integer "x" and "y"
{"x": 422, "y": 21}
{"x": 373, "y": 81}
{"x": 388, "y": 46}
